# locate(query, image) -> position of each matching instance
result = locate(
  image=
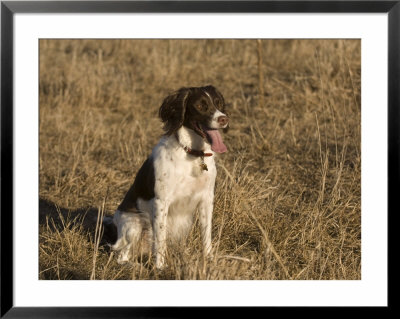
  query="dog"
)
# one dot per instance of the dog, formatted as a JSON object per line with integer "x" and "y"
{"x": 177, "y": 179}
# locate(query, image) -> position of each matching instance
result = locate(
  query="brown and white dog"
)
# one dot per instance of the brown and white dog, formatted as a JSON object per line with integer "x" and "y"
{"x": 177, "y": 179}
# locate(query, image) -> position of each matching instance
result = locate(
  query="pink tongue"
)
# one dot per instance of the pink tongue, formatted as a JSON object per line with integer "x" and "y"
{"x": 216, "y": 141}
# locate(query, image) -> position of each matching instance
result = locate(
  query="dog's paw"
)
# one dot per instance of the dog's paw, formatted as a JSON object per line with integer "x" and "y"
{"x": 122, "y": 259}
{"x": 160, "y": 262}
{"x": 210, "y": 257}
{"x": 209, "y": 253}
{"x": 124, "y": 255}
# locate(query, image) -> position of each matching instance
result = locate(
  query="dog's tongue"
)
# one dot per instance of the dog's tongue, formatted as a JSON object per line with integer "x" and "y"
{"x": 216, "y": 141}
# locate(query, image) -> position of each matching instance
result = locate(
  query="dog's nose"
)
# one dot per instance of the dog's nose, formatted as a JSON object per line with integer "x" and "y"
{"x": 223, "y": 120}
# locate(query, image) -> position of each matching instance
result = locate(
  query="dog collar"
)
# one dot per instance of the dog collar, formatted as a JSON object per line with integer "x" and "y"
{"x": 197, "y": 153}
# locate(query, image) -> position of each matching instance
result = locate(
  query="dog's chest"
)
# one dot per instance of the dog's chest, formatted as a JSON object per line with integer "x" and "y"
{"x": 189, "y": 190}
{"x": 182, "y": 175}
{"x": 189, "y": 184}
{"x": 190, "y": 177}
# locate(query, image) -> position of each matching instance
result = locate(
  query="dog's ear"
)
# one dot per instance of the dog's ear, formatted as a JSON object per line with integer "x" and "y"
{"x": 172, "y": 110}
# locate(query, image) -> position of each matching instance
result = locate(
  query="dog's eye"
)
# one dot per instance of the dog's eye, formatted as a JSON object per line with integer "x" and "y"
{"x": 202, "y": 107}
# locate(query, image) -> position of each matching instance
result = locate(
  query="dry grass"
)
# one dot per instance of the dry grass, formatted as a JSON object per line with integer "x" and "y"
{"x": 288, "y": 192}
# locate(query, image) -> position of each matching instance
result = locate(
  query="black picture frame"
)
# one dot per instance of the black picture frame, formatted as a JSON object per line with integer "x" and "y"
{"x": 9, "y": 8}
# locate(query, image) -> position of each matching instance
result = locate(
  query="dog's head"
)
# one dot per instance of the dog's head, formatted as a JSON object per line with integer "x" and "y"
{"x": 201, "y": 109}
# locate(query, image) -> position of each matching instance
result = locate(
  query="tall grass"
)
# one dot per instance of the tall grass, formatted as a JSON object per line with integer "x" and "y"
{"x": 287, "y": 202}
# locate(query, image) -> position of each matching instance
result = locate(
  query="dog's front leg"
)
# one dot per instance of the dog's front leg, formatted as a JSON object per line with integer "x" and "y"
{"x": 160, "y": 214}
{"x": 205, "y": 211}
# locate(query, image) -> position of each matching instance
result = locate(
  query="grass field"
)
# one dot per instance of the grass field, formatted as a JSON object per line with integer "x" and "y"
{"x": 288, "y": 190}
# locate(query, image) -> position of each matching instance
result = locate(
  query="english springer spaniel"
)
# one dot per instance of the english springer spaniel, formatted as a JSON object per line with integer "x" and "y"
{"x": 177, "y": 179}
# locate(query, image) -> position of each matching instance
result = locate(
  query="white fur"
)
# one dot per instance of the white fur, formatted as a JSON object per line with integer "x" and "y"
{"x": 214, "y": 121}
{"x": 181, "y": 188}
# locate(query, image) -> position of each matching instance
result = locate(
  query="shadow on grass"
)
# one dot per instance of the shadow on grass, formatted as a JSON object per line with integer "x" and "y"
{"x": 87, "y": 217}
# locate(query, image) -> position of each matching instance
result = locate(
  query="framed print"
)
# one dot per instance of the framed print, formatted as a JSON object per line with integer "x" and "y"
{"x": 164, "y": 155}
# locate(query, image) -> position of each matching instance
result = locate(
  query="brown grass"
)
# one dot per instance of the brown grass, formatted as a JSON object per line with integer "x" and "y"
{"x": 288, "y": 195}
